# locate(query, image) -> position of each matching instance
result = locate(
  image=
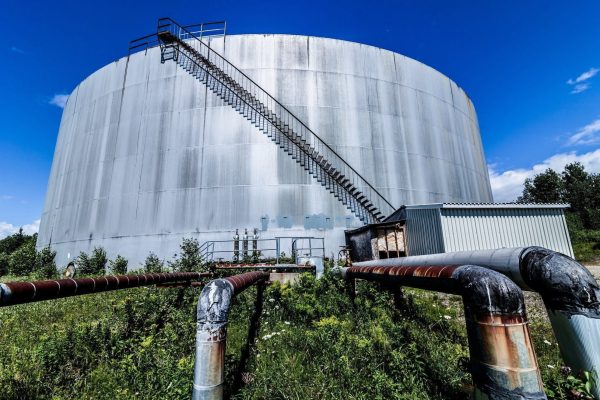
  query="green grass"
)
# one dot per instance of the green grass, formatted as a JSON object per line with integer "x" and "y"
{"x": 313, "y": 343}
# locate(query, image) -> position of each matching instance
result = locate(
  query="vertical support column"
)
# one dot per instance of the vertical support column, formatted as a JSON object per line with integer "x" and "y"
{"x": 211, "y": 334}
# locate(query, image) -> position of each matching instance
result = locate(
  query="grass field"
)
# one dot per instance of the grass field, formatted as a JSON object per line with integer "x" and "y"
{"x": 313, "y": 343}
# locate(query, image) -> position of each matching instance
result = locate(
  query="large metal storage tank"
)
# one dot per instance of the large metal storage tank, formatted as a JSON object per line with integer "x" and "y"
{"x": 146, "y": 155}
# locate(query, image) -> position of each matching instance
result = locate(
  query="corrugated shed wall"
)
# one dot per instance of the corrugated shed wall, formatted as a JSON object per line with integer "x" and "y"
{"x": 424, "y": 231}
{"x": 485, "y": 228}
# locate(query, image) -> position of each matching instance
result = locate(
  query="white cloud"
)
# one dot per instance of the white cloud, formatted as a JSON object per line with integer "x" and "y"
{"x": 580, "y": 83}
{"x": 508, "y": 185}
{"x": 59, "y": 100}
{"x": 6, "y": 197}
{"x": 589, "y": 134}
{"x": 580, "y": 87}
{"x": 7, "y": 229}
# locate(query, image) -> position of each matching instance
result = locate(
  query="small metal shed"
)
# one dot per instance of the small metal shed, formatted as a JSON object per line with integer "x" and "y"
{"x": 449, "y": 227}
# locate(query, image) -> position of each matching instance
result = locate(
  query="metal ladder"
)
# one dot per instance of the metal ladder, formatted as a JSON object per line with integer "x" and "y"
{"x": 273, "y": 119}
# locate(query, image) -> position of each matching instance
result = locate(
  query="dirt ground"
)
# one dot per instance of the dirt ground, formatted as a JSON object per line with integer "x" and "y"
{"x": 595, "y": 270}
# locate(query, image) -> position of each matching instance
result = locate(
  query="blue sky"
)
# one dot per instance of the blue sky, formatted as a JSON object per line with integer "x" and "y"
{"x": 531, "y": 68}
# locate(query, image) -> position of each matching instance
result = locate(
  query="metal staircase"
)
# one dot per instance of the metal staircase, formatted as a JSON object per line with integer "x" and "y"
{"x": 272, "y": 118}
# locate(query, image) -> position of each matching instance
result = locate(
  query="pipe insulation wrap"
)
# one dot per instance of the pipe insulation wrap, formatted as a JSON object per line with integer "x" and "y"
{"x": 564, "y": 284}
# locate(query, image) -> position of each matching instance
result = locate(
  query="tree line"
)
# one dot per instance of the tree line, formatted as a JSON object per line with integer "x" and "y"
{"x": 581, "y": 190}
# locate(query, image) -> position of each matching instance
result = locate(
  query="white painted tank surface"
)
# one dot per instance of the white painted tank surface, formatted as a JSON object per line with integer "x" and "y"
{"x": 146, "y": 155}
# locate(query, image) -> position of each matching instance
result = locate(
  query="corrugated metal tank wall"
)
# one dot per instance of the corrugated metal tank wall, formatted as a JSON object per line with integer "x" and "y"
{"x": 146, "y": 156}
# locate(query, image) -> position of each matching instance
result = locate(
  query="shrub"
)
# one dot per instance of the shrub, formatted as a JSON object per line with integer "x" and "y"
{"x": 190, "y": 259}
{"x": 83, "y": 264}
{"x": 11, "y": 243}
{"x": 98, "y": 260}
{"x": 22, "y": 261}
{"x": 45, "y": 265}
{"x": 118, "y": 266}
{"x": 94, "y": 264}
{"x": 153, "y": 264}
{"x": 4, "y": 263}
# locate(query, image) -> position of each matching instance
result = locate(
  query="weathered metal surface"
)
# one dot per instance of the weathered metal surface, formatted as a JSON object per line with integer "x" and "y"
{"x": 211, "y": 332}
{"x": 25, "y": 292}
{"x": 438, "y": 228}
{"x": 502, "y": 357}
{"x": 242, "y": 281}
{"x": 505, "y": 261}
{"x": 572, "y": 298}
{"x": 145, "y": 157}
{"x": 570, "y": 293}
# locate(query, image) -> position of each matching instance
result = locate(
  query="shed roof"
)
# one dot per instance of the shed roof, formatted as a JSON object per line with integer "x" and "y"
{"x": 399, "y": 213}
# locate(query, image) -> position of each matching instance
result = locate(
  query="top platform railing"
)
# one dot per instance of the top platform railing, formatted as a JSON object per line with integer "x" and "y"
{"x": 200, "y": 31}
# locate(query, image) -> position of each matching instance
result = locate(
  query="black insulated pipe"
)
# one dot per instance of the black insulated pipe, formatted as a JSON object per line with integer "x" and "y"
{"x": 572, "y": 298}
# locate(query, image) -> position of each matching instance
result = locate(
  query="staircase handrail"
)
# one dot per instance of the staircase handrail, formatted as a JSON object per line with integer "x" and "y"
{"x": 180, "y": 32}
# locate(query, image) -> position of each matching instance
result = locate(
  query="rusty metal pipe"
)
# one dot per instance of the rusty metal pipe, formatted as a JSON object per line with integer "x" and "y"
{"x": 12, "y": 293}
{"x": 211, "y": 332}
{"x": 503, "y": 361}
{"x": 570, "y": 293}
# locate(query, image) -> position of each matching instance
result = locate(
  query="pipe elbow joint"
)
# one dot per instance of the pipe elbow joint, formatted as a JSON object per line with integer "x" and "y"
{"x": 564, "y": 284}
{"x": 214, "y": 303}
{"x": 486, "y": 292}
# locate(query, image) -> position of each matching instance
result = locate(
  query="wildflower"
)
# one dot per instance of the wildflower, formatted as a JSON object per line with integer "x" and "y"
{"x": 547, "y": 342}
{"x": 550, "y": 366}
{"x": 271, "y": 300}
{"x": 447, "y": 317}
{"x": 286, "y": 322}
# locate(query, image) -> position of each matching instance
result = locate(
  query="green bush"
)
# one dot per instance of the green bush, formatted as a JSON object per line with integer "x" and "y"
{"x": 118, "y": 266}
{"x": 45, "y": 265}
{"x": 94, "y": 264}
{"x": 4, "y": 263}
{"x": 11, "y": 243}
{"x": 98, "y": 261}
{"x": 83, "y": 264}
{"x": 153, "y": 264}
{"x": 189, "y": 259}
{"x": 23, "y": 260}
